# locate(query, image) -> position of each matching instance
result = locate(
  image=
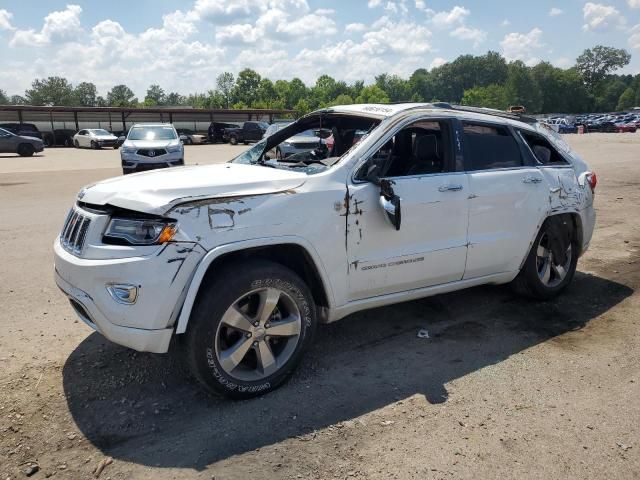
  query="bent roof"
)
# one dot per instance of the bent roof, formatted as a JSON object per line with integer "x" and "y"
{"x": 382, "y": 111}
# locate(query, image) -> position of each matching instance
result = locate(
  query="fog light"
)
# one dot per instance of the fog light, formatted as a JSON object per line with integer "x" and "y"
{"x": 123, "y": 293}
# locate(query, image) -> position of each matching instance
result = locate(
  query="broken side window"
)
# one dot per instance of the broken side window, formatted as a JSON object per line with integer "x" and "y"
{"x": 542, "y": 149}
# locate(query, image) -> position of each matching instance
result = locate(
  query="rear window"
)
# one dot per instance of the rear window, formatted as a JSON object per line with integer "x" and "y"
{"x": 488, "y": 147}
{"x": 542, "y": 149}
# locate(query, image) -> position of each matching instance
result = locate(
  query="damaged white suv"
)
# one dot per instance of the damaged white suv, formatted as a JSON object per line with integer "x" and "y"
{"x": 242, "y": 260}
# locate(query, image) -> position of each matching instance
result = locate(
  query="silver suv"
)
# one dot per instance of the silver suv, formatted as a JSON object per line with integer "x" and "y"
{"x": 151, "y": 146}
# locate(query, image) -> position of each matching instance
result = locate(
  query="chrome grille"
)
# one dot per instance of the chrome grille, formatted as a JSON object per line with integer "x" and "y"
{"x": 74, "y": 232}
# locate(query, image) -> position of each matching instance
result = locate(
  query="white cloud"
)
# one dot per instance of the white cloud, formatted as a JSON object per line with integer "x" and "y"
{"x": 634, "y": 3}
{"x": 456, "y": 15}
{"x": 60, "y": 26}
{"x": 355, "y": 27}
{"x": 5, "y": 20}
{"x": 634, "y": 39}
{"x": 467, "y": 33}
{"x": 562, "y": 62}
{"x": 505, "y": 23}
{"x": 420, "y": 5}
{"x": 437, "y": 62}
{"x": 374, "y": 3}
{"x": 520, "y": 46}
{"x": 601, "y": 18}
{"x": 554, "y": 12}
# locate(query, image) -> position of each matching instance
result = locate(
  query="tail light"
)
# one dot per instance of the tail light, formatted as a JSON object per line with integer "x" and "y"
{"x": 592, "y": 180}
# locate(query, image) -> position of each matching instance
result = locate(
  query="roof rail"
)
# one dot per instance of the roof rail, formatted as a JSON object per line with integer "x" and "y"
{"x": 486, "y": 111}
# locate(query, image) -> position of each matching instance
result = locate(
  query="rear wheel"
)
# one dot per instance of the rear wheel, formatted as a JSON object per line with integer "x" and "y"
{"x": 25, "y": 150}
{"x": 233, "y": 140}
{"x": 552, "y": 261}
{"x": 249, "y": 329}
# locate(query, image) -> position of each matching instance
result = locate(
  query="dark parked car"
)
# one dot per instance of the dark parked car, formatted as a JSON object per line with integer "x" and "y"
{"x": 25, "y": 146}
{"x": 248, "y": 132}
{"x": 59, "y": 138}
{"x": 604, "y": 127}
{"x": 216, "y": 131}
{"x": 22, "y": 129}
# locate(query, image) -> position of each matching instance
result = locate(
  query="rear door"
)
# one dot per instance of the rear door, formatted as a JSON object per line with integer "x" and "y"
{"x": 7, "y": 143}
{"x": 508, "y": 197}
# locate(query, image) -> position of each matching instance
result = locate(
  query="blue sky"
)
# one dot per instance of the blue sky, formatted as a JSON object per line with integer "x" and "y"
{"x": 184, "y": 45}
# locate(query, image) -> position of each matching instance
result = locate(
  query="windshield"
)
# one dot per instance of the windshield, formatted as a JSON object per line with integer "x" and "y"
{"x": 338, "y": 134}
{"x": 100, "y": 131}
{"x": 152, "y": 133}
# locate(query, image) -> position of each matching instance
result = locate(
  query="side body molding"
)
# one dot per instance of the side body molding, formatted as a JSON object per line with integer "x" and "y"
{"x": 218, "y": 251}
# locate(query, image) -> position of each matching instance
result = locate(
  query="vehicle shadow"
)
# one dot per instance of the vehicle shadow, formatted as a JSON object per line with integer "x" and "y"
{"x": 143, "y": 408}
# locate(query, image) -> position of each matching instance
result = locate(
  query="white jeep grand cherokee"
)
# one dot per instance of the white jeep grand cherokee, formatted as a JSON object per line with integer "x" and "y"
{"x": 242, "y": 260}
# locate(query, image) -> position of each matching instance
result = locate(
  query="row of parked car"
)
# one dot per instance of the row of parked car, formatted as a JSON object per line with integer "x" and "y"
{"x": 596, "y": 122}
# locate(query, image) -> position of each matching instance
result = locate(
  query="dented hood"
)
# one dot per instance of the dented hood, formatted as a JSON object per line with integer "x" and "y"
{"x": 158, "y": 191}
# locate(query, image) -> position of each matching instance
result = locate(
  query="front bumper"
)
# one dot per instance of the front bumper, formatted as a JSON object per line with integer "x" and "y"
{"x": 162, "y": 278}
{"x": 134, "y": 162}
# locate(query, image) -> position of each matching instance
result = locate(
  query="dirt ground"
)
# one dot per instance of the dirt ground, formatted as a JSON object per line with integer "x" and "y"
{"x": 503, "y": 388}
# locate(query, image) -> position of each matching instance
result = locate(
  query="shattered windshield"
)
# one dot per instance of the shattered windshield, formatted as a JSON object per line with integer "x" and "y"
{"x": 336, "y": 134}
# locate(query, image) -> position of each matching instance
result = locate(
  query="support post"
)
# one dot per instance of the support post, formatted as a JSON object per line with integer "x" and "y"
{"x": 75, "y": 118}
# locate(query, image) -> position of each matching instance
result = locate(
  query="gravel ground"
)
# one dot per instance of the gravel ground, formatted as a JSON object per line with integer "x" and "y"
{"x": 503, "y": 388}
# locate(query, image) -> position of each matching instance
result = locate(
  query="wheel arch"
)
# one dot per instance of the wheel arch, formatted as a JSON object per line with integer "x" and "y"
{"x": 576, "y": 221}
{"x": 292, "y": 252}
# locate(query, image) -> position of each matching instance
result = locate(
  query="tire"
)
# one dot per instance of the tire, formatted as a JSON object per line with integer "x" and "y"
{"x": 233, "y": 140}
{"x": 116, "y": 147}
{"x": 245, "y": 142}
{"x": 530, "y": 281}
{"x": 67, "y": 142}
{"x": 25, "y": 150}
{"x": 210, "y": 336}
{"x": 76, "y": 144}
{"x": 94, "y": 145}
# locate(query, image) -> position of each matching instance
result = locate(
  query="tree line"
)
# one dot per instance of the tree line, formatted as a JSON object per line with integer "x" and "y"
{"x": 486, "y": 80}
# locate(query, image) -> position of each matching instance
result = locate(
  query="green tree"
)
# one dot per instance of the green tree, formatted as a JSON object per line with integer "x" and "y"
{"x": 297, "y": 91}
{"x": 342, "y": 99}
{"x": 627, "y": 100}
{"x": 491, "y": 96}
{"x": 267, "y": 93}
{"x": 302, "y": 107}
{"x": 325, "y": 90}
{"x": 372, "y": 94}
{"x": 4, "y": 100}
{"x": 121, "y": 96}
{"x": 155, "y": 96}
{"x": 607, "y": 99}
{"x": 50, "y": 91}
{"x": 596, "y": 63}
{"x": 396, "y": 88}
{"x": 17, "y": 100}
{"x": 421, "y": 85}
{"x": 101, "y": 102}
{"x": 174, "y": 99}
{"x": 224, "y": 84}
{"x": 521, "y": 88}
{"x": 246, "y": 88}
{"x": 85, "y": 94}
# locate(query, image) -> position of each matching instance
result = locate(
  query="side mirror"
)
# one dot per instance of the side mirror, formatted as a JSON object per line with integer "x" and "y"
{"x": 372, "y": 174}
{"x": 390, "y": 203}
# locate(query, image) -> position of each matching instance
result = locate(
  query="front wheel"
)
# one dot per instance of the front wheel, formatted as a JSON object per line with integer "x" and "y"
{"x": 552, "y": 261}
{"x": 249, "y": 329}
{"x": 233, "y": 140}
{"x": 26, "y": 150}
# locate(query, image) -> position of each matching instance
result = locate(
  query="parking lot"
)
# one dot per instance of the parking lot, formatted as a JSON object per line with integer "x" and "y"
{"x": 502, "y": 388}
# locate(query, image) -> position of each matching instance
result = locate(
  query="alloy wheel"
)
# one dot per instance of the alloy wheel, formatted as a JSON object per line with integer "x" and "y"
{"x": 257, "y": 334}
{"x": 550, "y": 271}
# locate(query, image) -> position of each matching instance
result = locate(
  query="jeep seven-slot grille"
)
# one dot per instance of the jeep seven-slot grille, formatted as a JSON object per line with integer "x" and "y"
{"x": 74, "y": 232}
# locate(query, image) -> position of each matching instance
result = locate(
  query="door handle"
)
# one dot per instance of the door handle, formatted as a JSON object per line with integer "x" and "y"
{"x": 531, "y": 180}
{"x": 450, "y": 188}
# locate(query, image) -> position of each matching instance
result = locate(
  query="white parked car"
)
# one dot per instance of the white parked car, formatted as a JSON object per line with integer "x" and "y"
{"x": 151, "y": 146}
{"x": 189, "y": 137}
{"x": 94, "y": 138}
{"x": 243, "y": 260}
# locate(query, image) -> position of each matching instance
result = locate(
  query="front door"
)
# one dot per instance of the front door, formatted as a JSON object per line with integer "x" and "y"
{"x": 430, "y": 246}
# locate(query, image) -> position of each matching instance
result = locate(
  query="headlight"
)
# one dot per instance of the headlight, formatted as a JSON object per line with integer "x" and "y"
{"x": 140, "y": 231}
{"x": 174, "y": 148}
{"x": 128, "y": 150}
